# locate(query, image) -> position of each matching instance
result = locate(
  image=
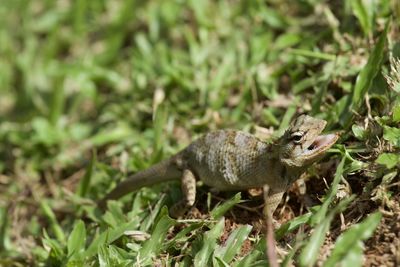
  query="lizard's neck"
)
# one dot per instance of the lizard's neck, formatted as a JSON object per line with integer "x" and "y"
{"x": 289, "y": 172}
{"x": 292, "y": 174}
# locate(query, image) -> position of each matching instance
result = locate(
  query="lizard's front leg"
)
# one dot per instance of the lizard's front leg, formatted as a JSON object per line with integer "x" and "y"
{"x": 272, "y": 198}
{"x": 189, "y": 194}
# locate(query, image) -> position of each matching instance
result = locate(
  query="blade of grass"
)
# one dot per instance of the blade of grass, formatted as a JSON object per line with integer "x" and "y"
{"x": 116, "y": 134}
{"x": 185, "y": 234}
{"x": 80, "y": 9}
{"x": 365, "y": 79}
{"x": 85, "y": 182}
{"x": 112, "y": 256}
{"x": 310, "y": 252}
{"x": 56, "y": 253}
{"x": 252, "y": 259}
{"x": 153, "y": 246}
{"x": 76, "y": 241}
{"x": 364, "y": 15}
{"x": 312, "y": 54}
{"x": 107, "y": 237}
{"x": 256, "y": 257}
{"x": 114, "y": 215}
{"x": 220, "y": 210}
{"x": 217, "y": 261}
{"x": 291, "y": 225}
{"x": 3, "y": 228}
{"x": 149, "y": 220}
{"x": 321, "y": 213}
{"x": 368, "y": 73}
{"x": 57, "y": 104}
{"x": 160, "y": 119}
{"x": 208, "y": 244}
{"x": 284, "y": 123}
{"x": 54, "y": 225}
{"x": 348, "y": 244}
{"x": 396, "y": 112}
{"x": 233, "y": 244}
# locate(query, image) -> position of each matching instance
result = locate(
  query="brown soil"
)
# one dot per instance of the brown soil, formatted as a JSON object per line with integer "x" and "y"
{"x": 382, "y": 249}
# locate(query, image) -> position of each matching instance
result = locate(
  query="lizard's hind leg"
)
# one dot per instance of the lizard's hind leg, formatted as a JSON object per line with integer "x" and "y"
{"x": 189, "y": 194}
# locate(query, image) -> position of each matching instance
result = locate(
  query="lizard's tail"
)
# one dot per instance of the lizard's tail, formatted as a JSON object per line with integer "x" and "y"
{"x": 164, "y": 171}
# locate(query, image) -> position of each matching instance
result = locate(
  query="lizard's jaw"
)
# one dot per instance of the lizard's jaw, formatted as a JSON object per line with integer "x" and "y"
{"x": 319, "y": 145}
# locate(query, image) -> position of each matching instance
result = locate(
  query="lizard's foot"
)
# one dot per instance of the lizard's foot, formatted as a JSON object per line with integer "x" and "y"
{"x": 178, "y": 209}
{"x": 189, "y": 195}
{"x": 269, "y": 217}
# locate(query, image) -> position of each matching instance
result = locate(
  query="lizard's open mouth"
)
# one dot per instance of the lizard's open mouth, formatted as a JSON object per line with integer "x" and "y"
{"x": 321, "y": 143}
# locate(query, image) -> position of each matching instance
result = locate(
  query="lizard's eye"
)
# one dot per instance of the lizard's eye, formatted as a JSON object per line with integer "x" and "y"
{"x": 297, "y": 136}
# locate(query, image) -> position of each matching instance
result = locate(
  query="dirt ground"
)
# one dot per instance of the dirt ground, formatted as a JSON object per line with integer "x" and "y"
{"x": 382, "y": 249}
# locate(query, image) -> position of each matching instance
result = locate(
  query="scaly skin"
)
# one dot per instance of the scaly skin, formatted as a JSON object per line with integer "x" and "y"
{"x": 235, "y": 160}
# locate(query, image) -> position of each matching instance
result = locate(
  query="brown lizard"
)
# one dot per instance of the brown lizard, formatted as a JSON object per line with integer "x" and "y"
{"x": 235, "y": 160}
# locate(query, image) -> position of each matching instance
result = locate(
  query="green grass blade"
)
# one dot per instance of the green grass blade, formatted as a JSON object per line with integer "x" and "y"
{"x": 149, "y": 220}
{"x": 252, "y": 259}
{"x": 285, "y": 122}
{"x": 85, "y": 182}
{"x": 209, "y": 243}
{"x": 116, "y": 134}
{"x": 80, "y": 9}
{"x": 114, "y": 215}
{"x": 221, "y": 209}
{"x": 57, "y": 104}
{"x": 55, "y": 226}
{"x": 112, "y": 256}
{"x": 153, "y": 246}
{"x": 310, "y": 252}
{"x": 348, "y": 244}
{"x": 313, "y": 54}
{"x": 371, "y": 69}
{"x": 233, "y": 244}
{"x": 217, "y": 261}
{"x": 396, "y": 112}
{"x": 56, "y": 254}
{"x": 107, "y": 237}
{"x": 3, "y": 228}
{"x": 364, "y": 15}
{"x": 292, "y": 225}
{"x": 321, "y": 213}
{"x": 186, "y": 233}
{"x": 364, "y": 81}
{"x": 160, "y": 118}
{"x": 76, "y": 240}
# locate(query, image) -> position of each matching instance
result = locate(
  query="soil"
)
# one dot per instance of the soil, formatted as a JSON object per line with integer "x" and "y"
{"x": 382, "y": 249}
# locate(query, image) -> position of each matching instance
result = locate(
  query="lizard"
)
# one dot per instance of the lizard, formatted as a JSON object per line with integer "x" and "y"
{"x": 235, "y": 160}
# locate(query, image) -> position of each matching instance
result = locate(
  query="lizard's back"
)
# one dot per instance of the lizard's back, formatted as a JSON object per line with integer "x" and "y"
{"x": 229, "y": 159}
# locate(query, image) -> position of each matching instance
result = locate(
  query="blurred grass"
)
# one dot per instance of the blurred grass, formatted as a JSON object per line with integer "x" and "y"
{"x": 92, "y": 90}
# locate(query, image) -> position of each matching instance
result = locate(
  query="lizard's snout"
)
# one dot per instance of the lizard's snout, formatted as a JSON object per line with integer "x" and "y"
{"x": 320, "y": 144}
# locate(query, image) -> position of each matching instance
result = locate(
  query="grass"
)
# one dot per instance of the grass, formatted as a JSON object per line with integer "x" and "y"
{"x": 94, "y": 90}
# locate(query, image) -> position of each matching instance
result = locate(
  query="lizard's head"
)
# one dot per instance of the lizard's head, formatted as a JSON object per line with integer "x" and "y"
{"x": 302, "y": 144}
